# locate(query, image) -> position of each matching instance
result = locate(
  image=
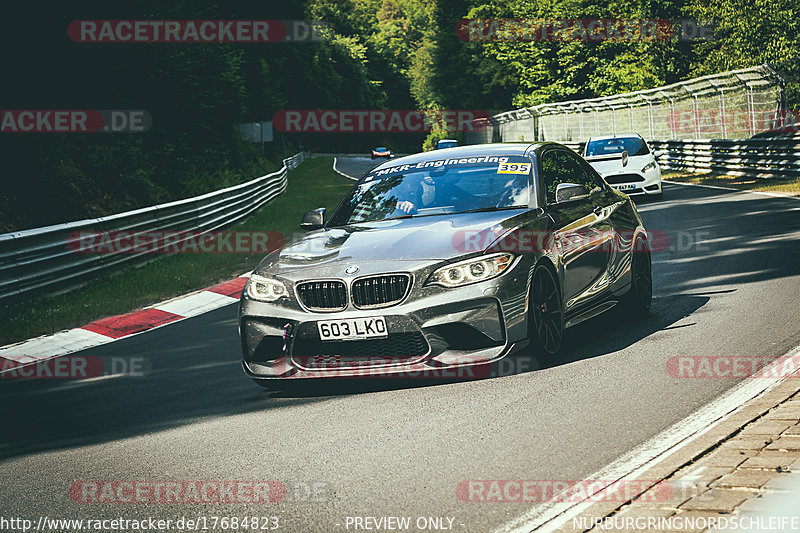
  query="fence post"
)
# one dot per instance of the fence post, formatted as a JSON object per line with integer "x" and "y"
{"x": 613, "y": 122}
{"x": 630, "y": 116}
{"x": 596, "y": 121}
{"x": 751, "y": 111}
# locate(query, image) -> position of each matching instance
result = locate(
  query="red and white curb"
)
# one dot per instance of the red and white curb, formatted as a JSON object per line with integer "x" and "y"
{"x": 112, "y": 328}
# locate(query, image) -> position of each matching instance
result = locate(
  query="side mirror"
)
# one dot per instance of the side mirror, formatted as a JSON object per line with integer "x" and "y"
{"x": 625, "y": 158}
{"x": 313, "y": 219}
{"x": 658, "y": 153}
{"x": 569, "y": 191}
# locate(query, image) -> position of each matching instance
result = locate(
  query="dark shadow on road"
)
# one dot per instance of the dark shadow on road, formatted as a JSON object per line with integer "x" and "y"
{"x": 196, "y": 375}
{"x": 723, "y": 237}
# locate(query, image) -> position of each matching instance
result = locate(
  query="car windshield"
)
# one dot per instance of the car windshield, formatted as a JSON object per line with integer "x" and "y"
{"x": 632, "y": 145}
{"x": 380, "y": 149}
{"x": 438, "y": 187}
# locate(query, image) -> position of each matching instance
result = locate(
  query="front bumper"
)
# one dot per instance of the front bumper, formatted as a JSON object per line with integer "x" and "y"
{"x": 433, "y": 333}
{"x": 635, "y": 183}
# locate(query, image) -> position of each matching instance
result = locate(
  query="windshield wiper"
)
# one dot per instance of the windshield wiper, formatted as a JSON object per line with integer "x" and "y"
{"x": 492, "y": 208}
{"x": 400, "y": 217}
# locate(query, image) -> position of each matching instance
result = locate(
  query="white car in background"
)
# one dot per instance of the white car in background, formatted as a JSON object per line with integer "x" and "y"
{"x": 626, "y": 163}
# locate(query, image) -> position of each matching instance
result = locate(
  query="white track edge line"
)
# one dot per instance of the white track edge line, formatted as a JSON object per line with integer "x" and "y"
{"x": 720, "y": 187}
{"x": 554, "y": 516}
{"x": 335, "y": 159}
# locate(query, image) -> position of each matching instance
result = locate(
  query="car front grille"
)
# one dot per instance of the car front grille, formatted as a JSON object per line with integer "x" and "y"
{"x": 379, "y": 291}
{"x": 323, "y": 295}
{"x": 623, "y": 178}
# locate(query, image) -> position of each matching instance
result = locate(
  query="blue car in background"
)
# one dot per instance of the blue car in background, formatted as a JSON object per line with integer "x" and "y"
{"x": 446, "y": 143}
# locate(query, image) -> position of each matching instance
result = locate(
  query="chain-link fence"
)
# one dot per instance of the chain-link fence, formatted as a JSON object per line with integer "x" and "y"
{"x": 729, "y": 105}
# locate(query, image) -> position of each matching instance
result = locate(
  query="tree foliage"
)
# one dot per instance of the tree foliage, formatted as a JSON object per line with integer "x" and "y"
{"x": 381, "y": 54}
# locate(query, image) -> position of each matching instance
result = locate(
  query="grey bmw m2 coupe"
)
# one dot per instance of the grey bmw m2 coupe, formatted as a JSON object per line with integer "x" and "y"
{"x": 443, "y": 260}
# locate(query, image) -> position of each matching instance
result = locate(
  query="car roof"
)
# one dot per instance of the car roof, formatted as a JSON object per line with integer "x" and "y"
{"x": 615, "y": 136}
{"x": 470, "y": 150}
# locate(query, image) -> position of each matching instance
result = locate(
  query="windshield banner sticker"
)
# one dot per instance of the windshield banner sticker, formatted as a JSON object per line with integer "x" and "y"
{"x": 520, "y": 161}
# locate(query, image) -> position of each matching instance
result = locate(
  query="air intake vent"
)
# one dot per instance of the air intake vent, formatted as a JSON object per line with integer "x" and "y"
{"x": 404, "y": 345}
{"x": 380, "y": 291}
{"x": 623, "y": 178}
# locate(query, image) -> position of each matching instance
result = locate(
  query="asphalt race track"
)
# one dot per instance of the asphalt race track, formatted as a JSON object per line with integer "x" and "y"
{"x": 356, "y": 167}
{"x": 726, "y": 283}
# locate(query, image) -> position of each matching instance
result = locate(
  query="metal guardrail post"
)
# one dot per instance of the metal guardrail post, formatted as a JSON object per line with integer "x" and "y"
{"x": 722, "y": 113}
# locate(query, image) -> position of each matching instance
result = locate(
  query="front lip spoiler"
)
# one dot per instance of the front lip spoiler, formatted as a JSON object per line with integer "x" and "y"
{"x": 445, "y": 366}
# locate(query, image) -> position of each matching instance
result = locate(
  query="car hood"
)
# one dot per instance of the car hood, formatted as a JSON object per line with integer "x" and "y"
{"x": 614, "y": 166}
{"x": 426, "y": 239}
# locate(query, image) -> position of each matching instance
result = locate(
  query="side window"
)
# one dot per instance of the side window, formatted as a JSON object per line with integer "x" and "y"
{"x": 592, "y": 180}
{"x": 561, "y": 166}
{"x": 558, "y": 166}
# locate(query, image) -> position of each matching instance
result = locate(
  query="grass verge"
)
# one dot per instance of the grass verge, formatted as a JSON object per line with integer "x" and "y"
{"x": 789, "y": 186}
{"x": 313, "y": 184}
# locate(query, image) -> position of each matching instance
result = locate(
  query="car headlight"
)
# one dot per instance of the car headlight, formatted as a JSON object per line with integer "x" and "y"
{"x": 649, "y": 166}
{"x": 471, "y": 271}
{"x": 265, "y": 289}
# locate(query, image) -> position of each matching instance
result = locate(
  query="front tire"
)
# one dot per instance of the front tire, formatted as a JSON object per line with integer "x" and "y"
{"x": 639, "y": 297}
{"x": 546, "y": 329}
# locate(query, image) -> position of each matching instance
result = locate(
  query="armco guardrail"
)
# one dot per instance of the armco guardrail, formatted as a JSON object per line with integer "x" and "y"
{"x": 766, "y": 157}
{"x": 39, "y": 259}
{"x": 777, "y": 157}
{"x": 578, "y": 147}
{"x": 291, "y": 162}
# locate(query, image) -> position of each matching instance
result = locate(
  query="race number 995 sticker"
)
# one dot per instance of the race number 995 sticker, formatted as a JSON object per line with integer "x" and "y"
{"x": 514, "y": 168}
